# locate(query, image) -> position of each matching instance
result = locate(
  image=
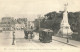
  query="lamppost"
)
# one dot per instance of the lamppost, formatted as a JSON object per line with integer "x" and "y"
{"x": 39, "y": 17}
{"x": 67, "y": 35}
{"x": 39, "y": 23}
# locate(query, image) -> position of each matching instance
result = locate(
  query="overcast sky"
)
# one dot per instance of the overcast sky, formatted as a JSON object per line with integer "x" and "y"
{"x": 31, "y": 8}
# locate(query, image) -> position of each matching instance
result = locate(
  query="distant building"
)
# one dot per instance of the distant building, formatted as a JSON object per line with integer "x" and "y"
{"x": 19, "y": 26}
{"x": 7, "y": 23}
{"x": 37, "y": 22}
{"x": 30, "y": 25}
{"x": 21, "y": 20}
{"x": 20, "y": 23}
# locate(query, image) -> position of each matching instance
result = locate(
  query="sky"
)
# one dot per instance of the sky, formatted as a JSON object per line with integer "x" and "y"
{"x": 32, "y": 8}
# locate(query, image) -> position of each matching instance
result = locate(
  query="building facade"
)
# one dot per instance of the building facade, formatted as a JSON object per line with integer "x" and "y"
{"x": 7, "y": 23}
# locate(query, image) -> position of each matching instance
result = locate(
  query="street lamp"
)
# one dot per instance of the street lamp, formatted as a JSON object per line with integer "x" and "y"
{"x": 67, "y": 35}
{"x": 39, "y": 17}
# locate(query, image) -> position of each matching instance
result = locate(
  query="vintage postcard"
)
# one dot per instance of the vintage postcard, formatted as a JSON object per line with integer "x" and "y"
{"x": 39, "y": 25}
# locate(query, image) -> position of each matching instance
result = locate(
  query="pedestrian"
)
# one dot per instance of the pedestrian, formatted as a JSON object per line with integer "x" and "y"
{"x": 33, "y": 36}
{"x": 29, "y": 37}
{"x": 13, "y": 43}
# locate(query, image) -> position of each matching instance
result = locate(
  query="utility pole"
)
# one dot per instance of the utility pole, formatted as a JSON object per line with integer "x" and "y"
{"x": 39, "y": 23}
{"x": 27, "y": 24}
{"x": 39, "y": 16}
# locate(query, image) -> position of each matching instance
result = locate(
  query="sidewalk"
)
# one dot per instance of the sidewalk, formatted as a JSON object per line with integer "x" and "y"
{"x": 64, "y": 40}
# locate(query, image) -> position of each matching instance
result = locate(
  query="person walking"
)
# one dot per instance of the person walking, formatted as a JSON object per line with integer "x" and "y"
{"x": 29, "y": 37}
{"x": 32, "y": 36}
{"x": 13, "y": 43}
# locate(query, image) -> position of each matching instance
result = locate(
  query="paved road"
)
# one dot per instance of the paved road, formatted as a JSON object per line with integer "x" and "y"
{"x": 35, "y": 43}
{"x": 6, "y": 40}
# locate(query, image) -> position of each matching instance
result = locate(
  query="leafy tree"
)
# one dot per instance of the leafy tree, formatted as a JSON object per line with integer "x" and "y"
{"x": 56, "y": 18}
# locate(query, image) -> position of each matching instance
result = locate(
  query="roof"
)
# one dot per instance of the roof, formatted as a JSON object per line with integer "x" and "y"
{"x": 46, "y": 30}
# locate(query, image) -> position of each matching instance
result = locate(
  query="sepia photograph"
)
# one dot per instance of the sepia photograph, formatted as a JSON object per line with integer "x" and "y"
{"x": 39, "y": 25}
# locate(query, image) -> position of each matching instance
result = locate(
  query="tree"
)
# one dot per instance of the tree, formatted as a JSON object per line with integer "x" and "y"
{"x": 56, "y": 18}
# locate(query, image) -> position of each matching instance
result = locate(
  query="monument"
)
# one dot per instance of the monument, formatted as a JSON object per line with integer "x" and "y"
{"x": 64, "y": 26}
